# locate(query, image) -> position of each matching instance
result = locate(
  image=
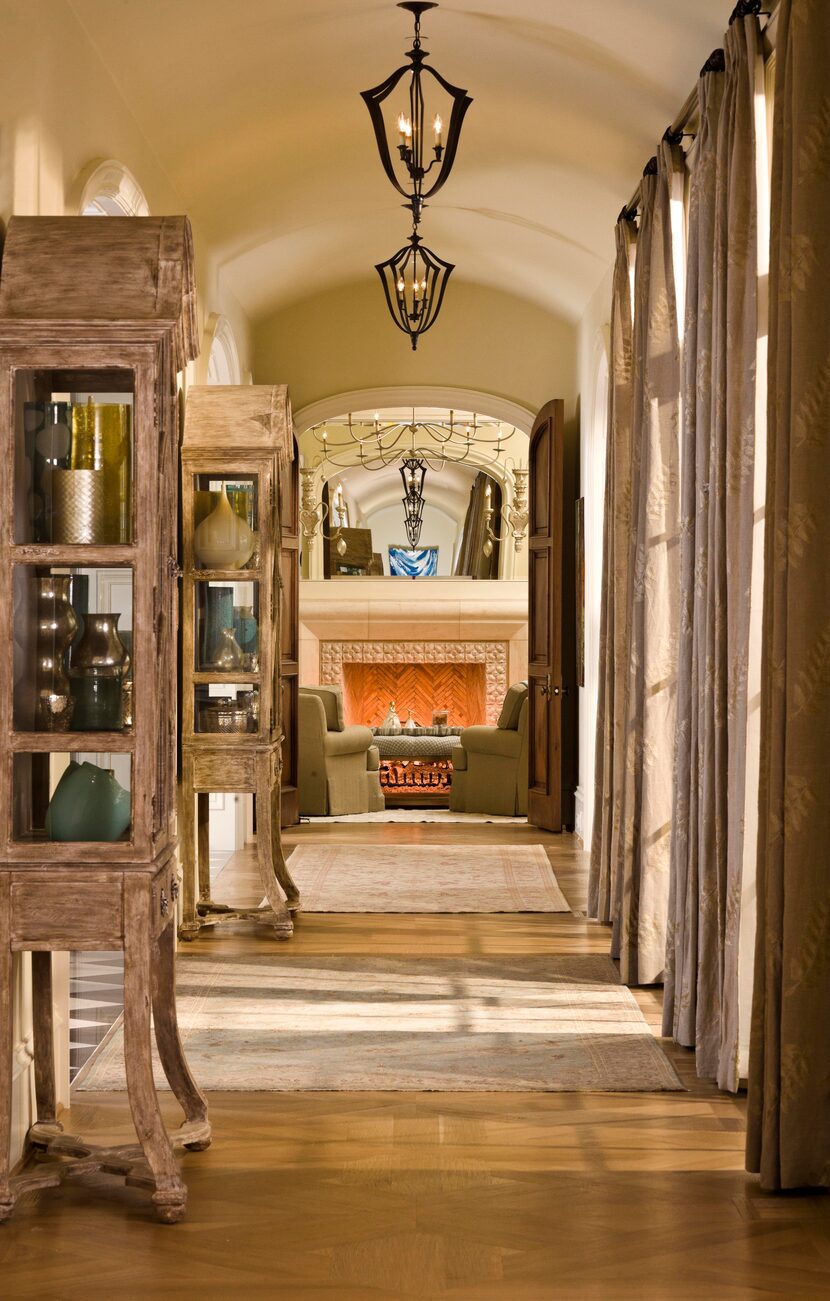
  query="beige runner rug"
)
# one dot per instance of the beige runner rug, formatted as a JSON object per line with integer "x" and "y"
{"x": 283, "y": 1024}
{"x": 426, "y": 879}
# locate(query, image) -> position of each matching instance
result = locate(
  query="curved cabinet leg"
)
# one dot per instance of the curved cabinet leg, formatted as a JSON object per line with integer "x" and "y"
{"x": 189, "y": 927}
{"x": 281, "y": 871}
{"x": 170, "y": 1196}
{"x": 171, "y": 1053}
{"x": 268, "y": 848}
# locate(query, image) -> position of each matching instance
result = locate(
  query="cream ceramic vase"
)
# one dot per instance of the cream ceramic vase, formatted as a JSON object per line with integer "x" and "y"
{"x": 223, "y": 540}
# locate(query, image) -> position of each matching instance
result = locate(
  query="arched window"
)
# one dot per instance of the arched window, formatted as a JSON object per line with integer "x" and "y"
{"x": 109, "y": 189}
{"x": 223, "y": 358}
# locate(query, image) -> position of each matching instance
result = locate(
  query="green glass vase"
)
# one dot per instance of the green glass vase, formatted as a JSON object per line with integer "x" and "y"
{"x": 88, "y": 804}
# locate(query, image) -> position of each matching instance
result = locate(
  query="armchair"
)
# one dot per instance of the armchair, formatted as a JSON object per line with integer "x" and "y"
{"x": 490, "y": 765}
{"x": 339, "y": 767}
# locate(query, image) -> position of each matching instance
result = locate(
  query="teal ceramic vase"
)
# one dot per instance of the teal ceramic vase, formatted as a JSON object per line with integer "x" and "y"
{"x": 88, "y": 804}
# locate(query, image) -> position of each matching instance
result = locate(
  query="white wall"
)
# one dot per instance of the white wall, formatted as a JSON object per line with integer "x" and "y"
{"x": 593, "y": 376}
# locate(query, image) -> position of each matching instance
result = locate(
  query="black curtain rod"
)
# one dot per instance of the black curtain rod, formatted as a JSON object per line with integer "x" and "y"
{"x": 715, "y": 63}
{"x": 746, "y": 9}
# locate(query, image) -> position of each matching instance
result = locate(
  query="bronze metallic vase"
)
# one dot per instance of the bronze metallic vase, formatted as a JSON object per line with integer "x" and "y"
{"x": 56, "y": 626}
{"x": 99, "y": 664}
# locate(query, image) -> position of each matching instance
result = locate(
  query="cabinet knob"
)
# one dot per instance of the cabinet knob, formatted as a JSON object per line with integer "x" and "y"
{"x": 174, "y": 889}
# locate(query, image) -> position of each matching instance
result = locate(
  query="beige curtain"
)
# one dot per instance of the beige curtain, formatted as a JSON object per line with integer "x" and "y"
{"x": 639, "y": 928}
{"x": 789, "y": 1118}
{"x": 603, "y": 889}
{"x": 707, "y": 862}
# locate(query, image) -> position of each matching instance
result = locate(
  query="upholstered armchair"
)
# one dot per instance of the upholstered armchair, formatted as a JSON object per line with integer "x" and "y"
{"x": 490, "y": 765}
{"x": 339, "y": 765}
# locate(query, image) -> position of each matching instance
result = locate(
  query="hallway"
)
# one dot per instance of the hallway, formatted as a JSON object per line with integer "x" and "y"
{"x": 375, "y": 1197}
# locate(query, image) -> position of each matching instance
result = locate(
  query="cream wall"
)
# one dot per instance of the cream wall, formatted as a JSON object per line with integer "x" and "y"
{"x": 60, "y": 109}
{"x": 593, "y": 372}
{"x": 485, "y": 340}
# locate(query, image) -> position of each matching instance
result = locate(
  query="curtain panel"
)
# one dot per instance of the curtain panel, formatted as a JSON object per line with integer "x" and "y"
{"x": 604, "y": 882}
{"x": 720, "y": 345}
{"x": 639, "y": 928}
{"x": 788, "y": 1139}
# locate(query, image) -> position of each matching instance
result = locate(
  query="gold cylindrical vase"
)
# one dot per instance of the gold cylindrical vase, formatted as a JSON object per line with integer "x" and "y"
{"x": 78, "y": 506}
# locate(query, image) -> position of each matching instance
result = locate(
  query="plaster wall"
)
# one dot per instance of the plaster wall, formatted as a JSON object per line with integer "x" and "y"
{"x": 485, "y": 340}
{"x": 594, "y": 331}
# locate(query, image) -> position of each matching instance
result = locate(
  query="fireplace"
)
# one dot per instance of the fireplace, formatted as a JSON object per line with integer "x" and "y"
{"x": 468, "y": 679}
{"x": 460, "y": 689}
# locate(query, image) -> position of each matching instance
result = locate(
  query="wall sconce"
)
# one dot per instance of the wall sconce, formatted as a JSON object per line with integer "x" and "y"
{"x": 313, "y": 514}
{"x": 515, "y": 514}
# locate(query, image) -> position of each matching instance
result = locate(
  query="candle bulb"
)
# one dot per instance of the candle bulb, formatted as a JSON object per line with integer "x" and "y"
{"x": 438, "y": 127}
{"x": 402, "y": 128}
{"x": 487, "y": 494}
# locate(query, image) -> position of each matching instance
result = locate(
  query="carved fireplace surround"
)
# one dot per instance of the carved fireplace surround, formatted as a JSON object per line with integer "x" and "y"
{"x": 465, "y": 640}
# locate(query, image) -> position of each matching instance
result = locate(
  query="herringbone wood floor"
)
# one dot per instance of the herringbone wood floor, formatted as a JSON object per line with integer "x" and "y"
{"x": 391, "y": 1197}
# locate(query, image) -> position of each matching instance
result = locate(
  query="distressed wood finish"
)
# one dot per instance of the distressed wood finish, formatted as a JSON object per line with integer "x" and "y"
{"x": 106, "y": 305}
{"x": 255, "y": 421}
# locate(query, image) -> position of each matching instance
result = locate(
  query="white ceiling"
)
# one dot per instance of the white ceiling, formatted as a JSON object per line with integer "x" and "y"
{"x": 253, "y": 110}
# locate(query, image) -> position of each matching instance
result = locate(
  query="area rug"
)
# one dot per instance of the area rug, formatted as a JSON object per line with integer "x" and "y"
{"x": 418, "y": 815}
{"x": 425, "y": 879}
{"x": 525, "y": 1024}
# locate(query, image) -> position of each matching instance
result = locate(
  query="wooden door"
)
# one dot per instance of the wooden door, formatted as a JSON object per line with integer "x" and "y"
{"x": 551, "y": 687}
{"x": 290, "y": 650}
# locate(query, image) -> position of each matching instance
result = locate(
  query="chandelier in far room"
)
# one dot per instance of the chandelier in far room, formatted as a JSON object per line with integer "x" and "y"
{"x": 413, "y": 473}
{"x": 415, "y": 279}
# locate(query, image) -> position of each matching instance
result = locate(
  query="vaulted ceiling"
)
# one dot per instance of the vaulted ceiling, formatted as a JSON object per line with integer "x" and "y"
{"x": 253, "y": 110}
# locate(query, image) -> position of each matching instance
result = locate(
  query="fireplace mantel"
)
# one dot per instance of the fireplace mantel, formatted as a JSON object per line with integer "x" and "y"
{"x": 400, "y": 610}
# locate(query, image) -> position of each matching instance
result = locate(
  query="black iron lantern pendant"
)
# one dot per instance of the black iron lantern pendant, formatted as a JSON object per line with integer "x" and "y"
{"x": 426, "y": 143}
{"x": 413, "y": 473}
{"x": 414, "y": 281}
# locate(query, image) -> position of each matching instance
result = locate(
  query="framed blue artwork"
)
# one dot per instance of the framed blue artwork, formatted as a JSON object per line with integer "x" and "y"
{"x": 406, "y": 562}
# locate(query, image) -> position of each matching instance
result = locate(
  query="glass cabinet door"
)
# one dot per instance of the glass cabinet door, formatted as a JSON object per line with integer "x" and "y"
{"x": 225, "y": 522}
{"x": 74, "y": 457}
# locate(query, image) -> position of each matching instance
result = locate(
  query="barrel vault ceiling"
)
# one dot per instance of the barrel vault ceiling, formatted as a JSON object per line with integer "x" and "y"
{"x": 253, "y": 111}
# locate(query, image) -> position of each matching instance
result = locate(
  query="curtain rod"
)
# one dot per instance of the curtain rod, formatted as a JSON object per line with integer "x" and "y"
{"x": 686, "y": 117}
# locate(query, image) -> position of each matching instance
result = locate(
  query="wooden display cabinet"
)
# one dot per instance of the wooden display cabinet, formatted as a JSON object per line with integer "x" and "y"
{"x": 238, "y": 443}
{"x": 96, "y": 318}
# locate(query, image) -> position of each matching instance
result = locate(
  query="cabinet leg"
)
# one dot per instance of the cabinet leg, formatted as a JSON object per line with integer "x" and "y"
{"x": 189, "y": 927}
{"x": 6, "y": 1045}
{"x": 281, "y": 871}
{"x": 203, "y": 844}
{"x": 170, "y": 1196}
{"x": 171, "y": 1053}
{"x": 269, "y": 852}
{"x": 43, "y": 1037}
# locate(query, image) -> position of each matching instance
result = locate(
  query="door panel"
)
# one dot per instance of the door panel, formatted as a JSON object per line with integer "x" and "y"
{"x": 545, "y": 593}
{"x": 290, "y": 648}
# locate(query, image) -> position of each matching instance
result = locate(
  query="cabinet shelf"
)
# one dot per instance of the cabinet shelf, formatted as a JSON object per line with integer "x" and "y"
{"x": 215, "y": 677}
{"x": 226, "y": 575}
{"x": 83, "y": 555}
{"x": 73, "y": 742}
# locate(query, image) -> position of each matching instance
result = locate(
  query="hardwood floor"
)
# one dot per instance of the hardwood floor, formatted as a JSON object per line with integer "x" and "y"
{"x": 467, "y": 1197}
